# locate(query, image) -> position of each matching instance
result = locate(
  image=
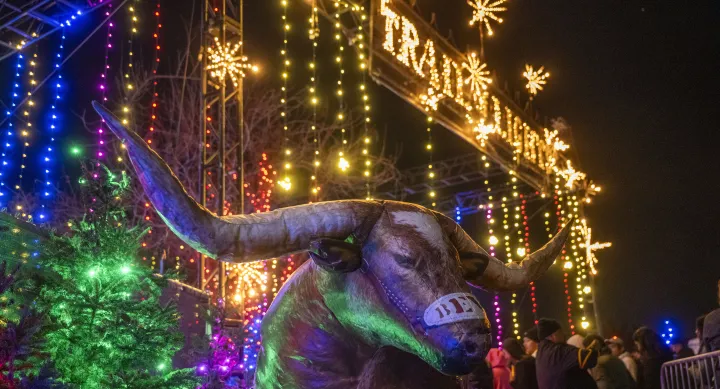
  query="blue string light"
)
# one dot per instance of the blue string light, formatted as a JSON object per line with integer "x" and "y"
{"x": 9, "y": 134}
{"x": 458, "y": 217}
{"x": 668, "y": 334}
{"x": 48, "y": 159}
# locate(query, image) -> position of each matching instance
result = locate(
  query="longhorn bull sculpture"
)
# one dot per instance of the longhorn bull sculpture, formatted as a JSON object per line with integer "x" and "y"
{"x": 391, "y": 309}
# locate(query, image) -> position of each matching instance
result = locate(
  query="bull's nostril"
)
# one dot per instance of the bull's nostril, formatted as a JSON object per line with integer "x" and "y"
{"x": 470, "y": 348}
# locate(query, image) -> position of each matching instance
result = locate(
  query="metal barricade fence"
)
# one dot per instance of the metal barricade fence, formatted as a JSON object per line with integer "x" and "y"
{"x": 698, "y": 372}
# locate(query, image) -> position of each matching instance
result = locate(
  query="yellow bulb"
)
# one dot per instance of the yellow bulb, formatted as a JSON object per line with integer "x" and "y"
{"x": 493, "y": 240}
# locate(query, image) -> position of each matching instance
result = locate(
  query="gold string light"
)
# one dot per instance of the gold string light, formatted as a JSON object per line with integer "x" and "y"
{"x": 314, "y": 34}
{"x": 536, "y": 79}
{"x": 129, "y": 87}
{"x": 343, "y": 162}
{"x": 285, "y": 182}
{"x": 363, "y": 55}
{"x": 431, "y": 171}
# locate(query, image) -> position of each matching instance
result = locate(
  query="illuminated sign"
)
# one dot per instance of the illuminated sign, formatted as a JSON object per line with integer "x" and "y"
{"x": 413, "y": 60}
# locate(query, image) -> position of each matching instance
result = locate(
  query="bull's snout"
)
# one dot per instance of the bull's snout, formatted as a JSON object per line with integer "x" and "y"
{"x": 469, "y": 352}
{"x": 474, "y": 346}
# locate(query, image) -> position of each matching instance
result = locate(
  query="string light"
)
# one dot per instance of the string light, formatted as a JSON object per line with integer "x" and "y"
{"x": 129, "y": 87}
{"x": 668, "y": 334}
{"x": 104, "y": 82}
{"x": 49, "y": 157}
{"x": 154, "y": 107}
{"x": 224, "y": 62}
{"x": 509, "y": 254}
{"x": 567, "y": 264}
{"x": 285, "y": 182}
{"x": 28, "y": 112}
{"x": 363, "y": 56}
{"x": 484, "y": 11}
{"x": 526, "y": 249}
{"x": 431, "y": 171}
{"x": 314, "y": 34}
{"x": 460, "y": 82}
{"x": 494, "y": 241}
{"x": 9, "y": 133}
{"x": 536, "y": 79}
{"x": 343, "y": 162}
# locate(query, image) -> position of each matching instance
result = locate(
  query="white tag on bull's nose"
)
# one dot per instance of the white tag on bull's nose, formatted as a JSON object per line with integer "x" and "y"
{"x": 452, "y": 308}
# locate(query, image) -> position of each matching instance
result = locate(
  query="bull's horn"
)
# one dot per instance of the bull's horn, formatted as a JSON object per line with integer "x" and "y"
{"x": 491, "y": 273}
{"x": 240, "y": 238}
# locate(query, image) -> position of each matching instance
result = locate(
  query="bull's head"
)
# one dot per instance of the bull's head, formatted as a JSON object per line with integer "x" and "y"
{"x": 401, "y": 281}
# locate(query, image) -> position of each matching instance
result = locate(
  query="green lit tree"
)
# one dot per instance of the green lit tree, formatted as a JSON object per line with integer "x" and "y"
{"x": 104, "y": 324}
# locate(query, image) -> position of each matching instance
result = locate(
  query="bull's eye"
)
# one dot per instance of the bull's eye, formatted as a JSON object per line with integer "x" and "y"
{"x": 405, "y": 262}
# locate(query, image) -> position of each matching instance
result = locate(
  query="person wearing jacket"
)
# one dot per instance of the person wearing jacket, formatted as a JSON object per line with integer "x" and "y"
{"x": 610, "y": 372}
{"x": 522, "y": 366}
{"x": 530, "y": 341}
{"x": 653, "y": 353}
{"x": 560, "y": 365}
{"x": 499, "y": 362}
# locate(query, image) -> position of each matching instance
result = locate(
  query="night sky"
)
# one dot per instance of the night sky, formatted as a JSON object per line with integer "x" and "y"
{"x": 637, "y": 81}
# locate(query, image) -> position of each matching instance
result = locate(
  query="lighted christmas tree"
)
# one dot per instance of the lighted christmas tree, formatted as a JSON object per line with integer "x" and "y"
{"x": 104, "y": 324}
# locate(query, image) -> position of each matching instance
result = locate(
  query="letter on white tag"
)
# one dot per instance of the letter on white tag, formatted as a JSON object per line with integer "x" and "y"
{"x": 452, "y": 308}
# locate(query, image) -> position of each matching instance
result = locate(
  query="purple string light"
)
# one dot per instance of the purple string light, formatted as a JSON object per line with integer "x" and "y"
{"x": 104, "y": 82}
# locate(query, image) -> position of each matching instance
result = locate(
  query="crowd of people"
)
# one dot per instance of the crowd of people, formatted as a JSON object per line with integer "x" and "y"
{"x": 546, "y": 360}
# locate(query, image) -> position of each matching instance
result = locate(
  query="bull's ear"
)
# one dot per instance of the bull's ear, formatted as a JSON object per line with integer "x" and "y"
{"x": 336, "y": 255}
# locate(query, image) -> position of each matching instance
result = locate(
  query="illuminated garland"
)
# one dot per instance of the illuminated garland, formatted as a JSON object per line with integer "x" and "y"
{"x": 508, "y": 252}
{"x": 49, "y": 157}
{"x": 153, "y": 120}
{"x": 314, "y": 34}
{"x": 285, "y": 182}
{"x": 431, "y": 171}
{"x": 494, "y": 241}
{"x": 567, "y": 264}
{"x": 126, "y": 110}
{"x": 343, "y": 162}
{"x": 104, "y": 84}
{"x": 28, "y": 130}
{"x": 363, "y": 56}
{"x": 526, "y": 248}
{"x": 9, "y": 134}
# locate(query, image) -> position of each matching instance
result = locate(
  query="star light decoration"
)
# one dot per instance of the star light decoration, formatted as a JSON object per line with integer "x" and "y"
{"x": 479, "y": 77}
{"x": 536, "y": 79}
{"x": 591, "y": 247}
{"x": 483, "y": 132}
{"x": 571, "y": 175}
{"x": 484, "y": 11}
{"x": 224, "y": 61}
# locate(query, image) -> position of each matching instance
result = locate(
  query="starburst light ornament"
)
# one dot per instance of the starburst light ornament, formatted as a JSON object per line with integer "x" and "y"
{"x": 571, "y": 175}
{"x": 536, "y": 79}
{"x": 479, "y": 77}
{"x": 486, "y": 10}
{"x": 224, "y": 61}
{"x": 590, "y": 246}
